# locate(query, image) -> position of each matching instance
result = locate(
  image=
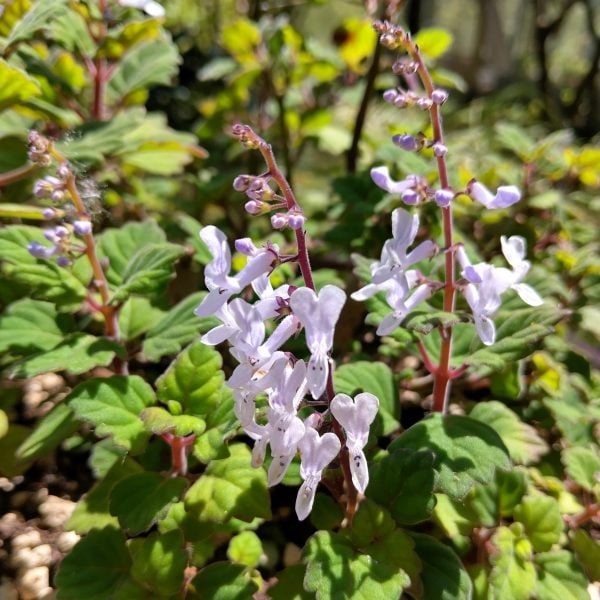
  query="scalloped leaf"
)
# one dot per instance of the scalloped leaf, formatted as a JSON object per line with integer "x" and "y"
{"x": 582, "y": 466}
{"x": 403, "y": 482}
{"x": 113, "y": 406}
{"x": 466, "y": 451}
{"x": 540, "y": 516}
{"x": 178, "y": 327}
{"x": 141, "y": 499}
{"x": 560, "y": 577}
{"x": 230, "y": 488}
{"x": 222, "y": 581}
{"x": 38, "y": 17}
{"x": 95, "y": 568}
{"x": 194, "y": 379}
{"x": 158, "y": 421}
{"x": 15, "y": 85}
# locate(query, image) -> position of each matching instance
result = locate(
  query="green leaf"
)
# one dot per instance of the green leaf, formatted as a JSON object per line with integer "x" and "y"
{"x": 516, "y": 139}
{"x": 38, "y": 17}
{"x": 136, "y": 317}
{"x": 71, "y": 29}
{"x": 92, "y": 511}
{"x": 230, "y": 487}
{"x": 245, "y": 549}
{"x": 113, "y": 406}
{"x": 119, "y": 245}
{"x": 336, "y": 569}
{"x": 192, "y": 227}
{"x": 46, "y": 279}
{"x": 144, "y": 66}
{"x": 560, "y": 577}
{"x": 369, "y": 523}
{"x": 587, "y": 551}
{"x": 95, "y": 567}
{"x": 178, "y": 327}
{"x": 10, "y": 465}
{"x": 194, "y": 379}
{"x": 139, "y": 500}
{"x": 524, "y": 444}
{"x": 466, "y": 451}
{"x": 148, "y": 271}
{"x": 78, "y": 353}
{"x": 159, "y": 562}
{"x": 375, "y": 378}
{"x": 15, "y": 85}
{"x": 582, "y": 466}
{"x": 433, "y": 42}
{"x": 49, "y": 432}
{"x": 513, "y": 575}
{"x": 290, "y": 585}
{"x": 403, "y": 482}
{"x": 541, "y": 519}
{"x": 426, "y": 321}
{"x": 443, "y": 575}
{"x": 31, "y": 325}
{"x": 3, "y": 424}
{"x": 222, "y": 581}
{"x": 158, "y": 421}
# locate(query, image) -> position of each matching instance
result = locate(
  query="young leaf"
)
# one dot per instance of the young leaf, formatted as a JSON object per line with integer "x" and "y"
{"x": 78, "y": 353}
{"x": 15, "y": 85}
{"x": 582, "y": 466}
{"x": 39, "y": 16}
{"x": 95, "y": 567}
{"x": 466, "y": 451}
{"x": 113, "y": 406}
{"x": 245, "y": 549}
{"x": 403, "y": 482}
{"x": 178, "y": 327}
{"x": 513, "y": 574}
{"x": 541, "y": 519}
{"x": 560, "y": 577}
{"x": 29, "y": 325}
{"x": 222, "y": 581}
{"x": 336, "y": 569}
{"x": 137, "y": 316}
{"x": 524, "y": 444}
{"x": 148, "y": 271}
{"x": 140, "y": 500}
{"x": 443, "y": 575}
{"x": 194, "y": 379}
{"x": 433, "y": 42}
{"x": 375, "y": 378}
{"x": 159, "y": 562}
{"x": 49, "y": 432}
{"x": 158, "y": 420}
{"x": 230, "y": 487}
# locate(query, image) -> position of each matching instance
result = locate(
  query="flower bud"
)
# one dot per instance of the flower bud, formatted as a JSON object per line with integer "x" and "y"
{"x": 279, "y": 220}
{"x": 37, "y": 250}
{"x": 296, "y": 220}
{"x": 409, "y": 196}
{"x": 242, "y": 182}
{"x": 48, "y": 213}
{"x": 255, "y": 207}
{"x": 390, "y": 95}
{"x": 424, "y": 103}
{"x": 439, "y": 149}
{"x": 82, "y": 227}
{"x": 61, "y": 232}
{"x": 50, "y": 235}
{"x": 439, "y": 96}
{"x": 406, "y": 142}
{"x": 63, "y": 170}
{"x": 63, "y": 261}
{"x": 400, "y": 101}
{"x": 443, "y": 198}
{"x": 245, "y": 246}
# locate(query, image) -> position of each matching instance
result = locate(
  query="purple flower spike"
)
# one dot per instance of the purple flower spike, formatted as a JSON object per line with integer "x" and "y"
{"x": 443, "y": 198}
{"x": 410, "y": 197}
{"x": 406, "y": 142}
{"x": 82, "y": 227}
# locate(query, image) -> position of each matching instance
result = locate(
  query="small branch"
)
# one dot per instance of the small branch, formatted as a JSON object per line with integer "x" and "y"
{"x": 591, "y": 512}
{"x": 179, "y": 448}
{"x": 429, "y": 364}
{"x": 17, "y": 174}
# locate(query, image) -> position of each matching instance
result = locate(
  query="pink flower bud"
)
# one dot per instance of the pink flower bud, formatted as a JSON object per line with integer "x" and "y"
{"x": 439, "y": 96}
{"x": 245, "y": 246}
{"x": 82, "y": 227}
{"x": 63, "y": 261}
{"x": 406, "y": 142}
{"x": 443, "y": 198}
{"x": 253, "y": 207}
{"x": 409, "y": 196}
{"x": 296, "y": 220}
{"x": 439, "y": 149}
{"x": 63, "y": 170}
{"x": 61, "y": 232}
{"x": 48, "y": 213}
{"x": 390, "y": 95}
{"x": 279, "y": 220}
{"x": 424, "y": 103}
{"x": 241, "y": 183}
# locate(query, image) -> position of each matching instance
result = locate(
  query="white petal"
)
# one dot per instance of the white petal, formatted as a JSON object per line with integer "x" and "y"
{"x": 216, "y": 241}
{"x": 404, "y": 227}
{"x": 367, "y": 407}
{"x": 424, "y": 250}
{"x": 485, "y": 329}
{"x": 390, "y": 323}
{"x": 212, "y": 302}
{"x": 481, "y": 194}
{"x": 381, "y": 177}
{"x": 218, "y": 334}
{"x": 279, "y": 465}
{"x": 256, "y": 267}
{"x": 316, "y": 374}
{"x": 506, "y": 196}
{"x": 461, "y": 256}
{"x": 241, "y": 375}
{"x": 528, "y": 294}
{"x": 305, "y": 499}
{"x": 514, "y": 249}
{"x": 366, "y": 292}
{"x": 359, "y": 470}
{"x": 258, "y": 451}
{"x": 283, "y": 332}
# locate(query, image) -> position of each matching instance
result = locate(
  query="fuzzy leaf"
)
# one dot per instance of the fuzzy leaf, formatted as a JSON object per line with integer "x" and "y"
{"x": 15, "y": 85}
{"x": 403, "y": 482}
{"x": 336, "y": 569}
{"x": 466, "y": 451}
{"x": 178, "y": 327}
{"x": 222, "y": 581}
{"x": 137, "y": 316}
{"x": 524, "y": 444}
{"x": 230, "y": 487}
{"x": 39, "y": 16}
{"x": 158, "y": 421}
{"x": 113, "y": 406}
{"x": 560, "y": 577}
{"x": 443, "y": 575}
{"x": 29, "y": 325}
{"x": 140, "y": 500}
{"x": 375, "y": 378}
{"x": 78, "y": 353}
{"x": 426, "y": 321}
{"x": 159, "y": 562}
{"x": 149, "y": 270}
{"x": 541, "y": 519}
{"x": 582, "y": 466}
{"x": 95, "y": 567}
{"x": 245, "y": 549}
{"x": 194, "y": 379}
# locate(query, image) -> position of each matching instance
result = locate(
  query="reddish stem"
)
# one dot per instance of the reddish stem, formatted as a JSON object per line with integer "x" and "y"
{"x": 429, "y": 364}
{"x": 17, "y": 174}
{"x": 591, "y": 512}
{"x": 179, "y": 447}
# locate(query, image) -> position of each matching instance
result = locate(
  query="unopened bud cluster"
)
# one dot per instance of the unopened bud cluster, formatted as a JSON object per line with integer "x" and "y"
{"x": 39, "y": 149}
{"x": 64, "y": 248}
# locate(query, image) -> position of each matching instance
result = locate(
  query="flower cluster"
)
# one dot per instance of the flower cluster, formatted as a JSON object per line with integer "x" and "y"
{"x": 266, "y": 369}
